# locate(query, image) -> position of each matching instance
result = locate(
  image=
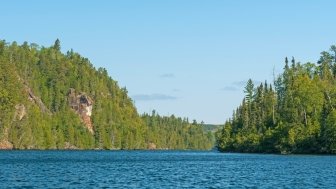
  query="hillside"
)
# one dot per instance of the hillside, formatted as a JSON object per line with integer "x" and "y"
{"x": 295, "y": 115}
{"x": 52, "y": 100}
{"x": 174, "y": 132}
{"x": 211, "y": 127}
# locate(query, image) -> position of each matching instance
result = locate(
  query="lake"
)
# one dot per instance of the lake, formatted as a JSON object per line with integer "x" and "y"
{"x": 163, "y": 169}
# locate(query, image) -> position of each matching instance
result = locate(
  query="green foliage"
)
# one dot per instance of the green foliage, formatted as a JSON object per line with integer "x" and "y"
{"x": 39, "y": 78}
{"x": 298, "y": 117}
{"x": 249, "y": 90}
{"x": 170, "y": 132}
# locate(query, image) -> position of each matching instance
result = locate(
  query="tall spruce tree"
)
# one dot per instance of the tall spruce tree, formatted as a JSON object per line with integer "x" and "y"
{"x": 298, "y": 117}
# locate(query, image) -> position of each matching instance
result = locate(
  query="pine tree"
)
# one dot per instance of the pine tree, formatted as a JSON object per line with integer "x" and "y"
{"x": 57, "y": 45}
{"x": 249, "y": 91}
{"x": 298, "y": 117}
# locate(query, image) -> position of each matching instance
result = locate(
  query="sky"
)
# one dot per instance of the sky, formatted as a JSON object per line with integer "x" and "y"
{"x": 190, "y": 58}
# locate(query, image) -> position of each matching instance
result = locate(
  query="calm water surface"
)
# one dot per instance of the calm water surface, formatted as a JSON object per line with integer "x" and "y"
{"x": 163, "y": 169}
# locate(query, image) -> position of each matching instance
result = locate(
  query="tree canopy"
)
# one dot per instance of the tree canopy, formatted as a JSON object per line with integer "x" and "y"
{"x": 36, "y": 110}
{"x": 296, "y": 116}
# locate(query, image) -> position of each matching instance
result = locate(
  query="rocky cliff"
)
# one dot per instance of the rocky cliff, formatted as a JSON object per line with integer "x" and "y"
{"x": 82, "y": 105}
{"x": 55, "y": 100}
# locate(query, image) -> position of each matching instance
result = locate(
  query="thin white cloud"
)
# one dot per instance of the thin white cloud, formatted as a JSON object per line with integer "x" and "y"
{"x": 229, "y": 88}
{"x": 176, "y": 90}
{"x": 151, "y": 97}
{"x": 239, "y": 83}
{"x": 167, "y": 75}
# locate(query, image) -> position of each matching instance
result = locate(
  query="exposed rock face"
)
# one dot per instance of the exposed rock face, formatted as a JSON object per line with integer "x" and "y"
{"x": 151, "y": 146}
{"x": 5, "y": 145}
{"x": 36, "y": 100}
{"x": 20, "y": 112}
{"x": 82, "y": 104}
{"x": 69, "y": 146}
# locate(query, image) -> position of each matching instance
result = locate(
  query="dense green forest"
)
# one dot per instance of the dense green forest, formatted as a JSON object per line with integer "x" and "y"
{"x": 173, "y": 132}
{"x": 294, "y": 115}
{"x": 52, "y": 100}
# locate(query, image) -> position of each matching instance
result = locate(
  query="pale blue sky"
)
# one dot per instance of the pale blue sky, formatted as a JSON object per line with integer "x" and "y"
{"x": 186, "y": 57}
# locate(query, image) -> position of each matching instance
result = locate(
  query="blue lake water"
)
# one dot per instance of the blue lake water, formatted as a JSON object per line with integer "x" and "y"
{"x": 163, "y": 169}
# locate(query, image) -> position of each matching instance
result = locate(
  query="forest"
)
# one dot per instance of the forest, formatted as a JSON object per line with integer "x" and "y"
{"x": 55, "y": 100}
{"x": 294, "y": 115}
{"x": 169, "y": 132}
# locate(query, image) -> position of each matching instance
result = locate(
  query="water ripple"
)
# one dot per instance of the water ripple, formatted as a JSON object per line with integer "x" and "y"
{"x": 163, "y": 169}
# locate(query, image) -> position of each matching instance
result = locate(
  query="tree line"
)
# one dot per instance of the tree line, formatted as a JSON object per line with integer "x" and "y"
{"x": 169, "y": 132}
{"x": 49, "y": 74}
{"x": 294, "y": 115}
